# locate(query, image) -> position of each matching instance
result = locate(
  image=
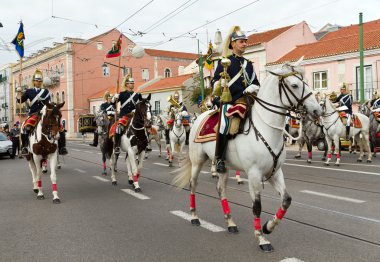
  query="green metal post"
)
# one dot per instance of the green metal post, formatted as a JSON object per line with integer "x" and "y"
{"x": 201, "y": 72}
{"x": 361, "y": 51}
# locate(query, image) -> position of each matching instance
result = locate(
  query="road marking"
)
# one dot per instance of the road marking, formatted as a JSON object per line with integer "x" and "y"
{"x": 80, "y": 170}
{"x": 161, "y": 164}
{"x": 101, "y": 178}
{"x": 291, "y": 259}
{"x": 204, "y": 224}
{"x": 74, "y": 149}
{"x": 319, "y": 161}
{"x": 335, "y": 169}
{"x": 89, "y": 152}
{"x": 332, "y": 196}
{"x": 205, "y": 172}
{"x": 99, "y": 153}
{"x": 136, "y": 195}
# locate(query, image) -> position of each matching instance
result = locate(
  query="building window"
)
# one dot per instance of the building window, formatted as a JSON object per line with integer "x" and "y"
{"x": 145, "y": 74}
{"x": 320, "y": 80}
{"x": 157, "y": 108}
{"x": 63, "y": 96}
{"x": 62, "y": 70}
{"x": 46, "y": 73}
{"x": 56, "y": 71}
{"x": 106, "y": 71}
{"x": 168, "y": 73}
{"x": 127, "y": 70}
{"x": 52, "y": 97}
{"x": 58, "y": 98}
{"x": 99, "y": 45}
{"x": 368, "y": 85}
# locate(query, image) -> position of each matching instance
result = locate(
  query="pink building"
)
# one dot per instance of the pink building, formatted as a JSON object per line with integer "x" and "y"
{"x": 334, "y": 60}
{"x": 77, "y": 69}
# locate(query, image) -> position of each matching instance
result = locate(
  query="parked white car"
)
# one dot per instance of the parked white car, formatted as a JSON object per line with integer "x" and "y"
{"x": 5, "y": 145}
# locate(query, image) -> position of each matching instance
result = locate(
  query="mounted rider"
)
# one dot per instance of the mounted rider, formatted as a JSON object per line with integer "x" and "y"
{"x": 345, "y": 105}
{"x": 176, "y": 104}
{"x": 375, "y": 102}
{"x": 38, "y": 96}
{"x": 108, "y": 108}
{"x": 128, "y": 100}
{"x": 241, "y": 80}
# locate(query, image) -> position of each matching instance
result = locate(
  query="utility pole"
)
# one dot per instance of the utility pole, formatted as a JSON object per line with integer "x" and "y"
{"x": 361, "y": 51}
{"x": 200, "y": 66}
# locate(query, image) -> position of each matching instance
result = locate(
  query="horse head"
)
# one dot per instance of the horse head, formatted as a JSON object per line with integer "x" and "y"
{"x": 178, "y": 119}
{"x": 51, "y": 119}
{"x": 102, "y": 122}
{"x": 143, "y": 113}
{"x": 294, "y": 93}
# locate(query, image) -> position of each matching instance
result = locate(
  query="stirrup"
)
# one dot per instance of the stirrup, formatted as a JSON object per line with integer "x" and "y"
{"x": 220, "y": 166}
{"x": 24, "y": 151}
{"x": 117, "y": 150}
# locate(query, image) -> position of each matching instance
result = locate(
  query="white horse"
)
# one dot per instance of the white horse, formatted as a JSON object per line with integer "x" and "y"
{"x": 259, "y": 153}
{"x": 154, "y": 133}
{"x": 177, "y": 136}
{"x": 334, "y": 129}
{"x": 135, "y": 141}
{"x": 43, "y": 145}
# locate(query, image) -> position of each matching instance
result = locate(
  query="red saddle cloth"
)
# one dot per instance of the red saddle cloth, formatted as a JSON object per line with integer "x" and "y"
{"x": 122, "y": 121}
{"x": 206, "y": 130}
{"x": 377, "y": 116}
{"x": 294, "y": 123}
{"x": 31, "y": 121}
{"x": 170, "y": 122}
{"x": 355, "y": 121}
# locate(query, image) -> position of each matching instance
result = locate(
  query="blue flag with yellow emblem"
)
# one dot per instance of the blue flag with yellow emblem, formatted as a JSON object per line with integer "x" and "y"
{"x": 18, "y": 41}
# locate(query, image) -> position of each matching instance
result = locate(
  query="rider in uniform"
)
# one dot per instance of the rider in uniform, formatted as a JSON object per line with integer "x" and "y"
{"x": 37, "y": 96}
{"x": 185, "y": 120}
{"x": 128, "y": 100}
{"x": 243, "y": 80}
{"x": 107, "y": 107}
{"x": 345, "y": 104}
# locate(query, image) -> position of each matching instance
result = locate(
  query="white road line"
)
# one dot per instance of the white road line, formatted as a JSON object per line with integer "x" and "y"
{"x": 101, "y": 178}
{"x": 332, "y": 196}
{"x": 205, "y": 172}
{"x": 99, "y": 153}
{"x": 160, "y": 164}
{"x": 335, "y": 169}
{"x": 136, "y": 195}
{"x": 242, "y": 179}
{"x": 291, "y": 259}
{"x": 204, "y": 224}
{"x": 80, "y": 170}
{"x": 319, "y": 161}
{"x": 74, "y": 149}
{"x": 89, "y": 152}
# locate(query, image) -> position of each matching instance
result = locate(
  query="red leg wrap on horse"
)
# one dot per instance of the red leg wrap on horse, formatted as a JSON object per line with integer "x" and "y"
{"x": 226, "y": 208}
{"x": 374, "y": 149}
{"x": 238, "y": 172}
{"x": 337, "y": 155}
{"x": 192, "y": 201}
{"x": 104, "y": 165}
{"x": 39, "y": 183}
{"x": 54, "y": 186}
{"x": 280, "y": 213}
{"x": 135, "y": 178}
{"x": 328, "y": 155}
{"x": 309, "y": 154}
{"x": 138, "y": 175}
{"x": 257, "y": 223}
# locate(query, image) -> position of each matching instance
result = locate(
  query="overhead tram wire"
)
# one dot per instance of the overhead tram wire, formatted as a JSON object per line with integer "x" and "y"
{"x": 209, "y": 22}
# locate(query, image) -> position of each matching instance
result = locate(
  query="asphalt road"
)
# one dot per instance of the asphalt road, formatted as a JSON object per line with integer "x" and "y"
{"x": 334, "y": 216}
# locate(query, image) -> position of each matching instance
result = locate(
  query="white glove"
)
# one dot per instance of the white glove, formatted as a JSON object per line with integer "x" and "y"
{"x": 184, "y": 113}
{"x": 251, "y": 88}
{"x": 19, "y": 89}
{"x": 116, "y": 96}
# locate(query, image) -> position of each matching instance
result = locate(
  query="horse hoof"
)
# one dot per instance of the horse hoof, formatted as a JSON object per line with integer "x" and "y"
{"x": 35, "y": 191}
{"x": 159, "y": 155}
{"x": 323, "y": 159}
{"x": 44, "y": 171}
{"x": 297, "y": 156}
{"x": 336, "y": 164}
{"x": 41, "y": 197}
{"x": 104, "y": 173}
{"x": 215, "y": 176}
{"x": 267, "y": 248}
{"x": 59, "y": 167}
{"x": 114, "y": 183}
{"x": 359, "y": 160}
{"x": 130, "y": 182}
{"x": 170, "y": 164}
{"x": 309, "y": 161}
{"x": 369, "y": 161}
{"x": 195, "y": 222}
{"x": 240, "y": 183}
{"x": 137, "y": 190}
{"x": 327, "y": 164}
{"x": 56, "y": 201}
{"x": 350, "y": 152}
{"x": 233, "y": 229}
{"x": 265, "y": 229}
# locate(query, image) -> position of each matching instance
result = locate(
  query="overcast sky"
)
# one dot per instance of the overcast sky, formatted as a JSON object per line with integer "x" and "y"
{"x": 88, "y": 18}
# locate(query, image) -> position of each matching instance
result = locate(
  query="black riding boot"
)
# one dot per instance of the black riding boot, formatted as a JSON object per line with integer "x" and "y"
{"x": 62, "y": 143}
{"x": 117, "y": 143}
{"x": 347, "y": 132}
{"x": 25, "y": 142}
{"x": 187, "y": 137}
{"x": 221, "y": 152}
{"x": 95, "y": 141}
{"x": 167, "y": 136}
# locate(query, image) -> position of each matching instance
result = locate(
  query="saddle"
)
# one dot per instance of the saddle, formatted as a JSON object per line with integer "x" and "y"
{"x": 207, "y": 129}
{"x": 355, "y": 120}
{"x": 31, "y": 121}
{"x": 124, "y": 121}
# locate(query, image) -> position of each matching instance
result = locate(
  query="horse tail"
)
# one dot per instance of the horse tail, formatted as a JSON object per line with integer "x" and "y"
{"x": 183, "y": 174}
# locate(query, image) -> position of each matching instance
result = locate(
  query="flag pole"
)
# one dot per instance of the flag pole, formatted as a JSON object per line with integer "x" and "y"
{"x": 20, "y": 105}
{"x": 118, "y": 82}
